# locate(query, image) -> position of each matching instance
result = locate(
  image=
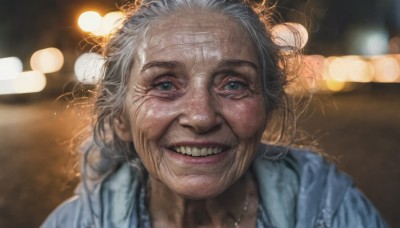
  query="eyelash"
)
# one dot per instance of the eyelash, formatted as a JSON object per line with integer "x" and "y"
{"x": 159, "y": 85}
{"x": 230, "y": 85}
{"x": 233, "y": 79}
{"x": 241, "y": 84}
{"x": 166, "y": 87}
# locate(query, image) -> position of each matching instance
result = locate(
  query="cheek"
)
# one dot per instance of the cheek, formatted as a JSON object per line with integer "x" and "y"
{"x": 150, "y": 119}
{"x": 246, "y": 117}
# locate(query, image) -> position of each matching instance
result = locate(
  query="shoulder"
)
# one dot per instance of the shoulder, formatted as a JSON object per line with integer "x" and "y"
{"x": 68, "y": 214}
{"x": 106, "y": 202}
{"x": 338, "y": 202}
{"x": 305, "y": 166}
{"x": 357, "y": 211}
{"x": 321, "y": 193}
{"x": 308, "y": 170}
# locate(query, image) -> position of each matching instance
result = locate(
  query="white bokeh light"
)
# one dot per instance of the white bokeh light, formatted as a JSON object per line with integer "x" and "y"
{"x": 290, "y": 34}
{"x": 10, "y": 68}
{"x": 88, "y": 68}
{"x": 89, "y": 21}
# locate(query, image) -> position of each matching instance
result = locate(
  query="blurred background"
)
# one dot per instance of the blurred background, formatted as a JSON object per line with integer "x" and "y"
{"x": 352, "y": 66}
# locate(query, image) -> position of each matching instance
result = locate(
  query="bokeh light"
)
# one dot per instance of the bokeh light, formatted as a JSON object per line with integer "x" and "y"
{"x": 335, "y": 86}
{"x": 359, "y": 70}
{"x": 10, "y": 68}
{"x": 25, "y": 82}
{"x": 6, "y": 87}
{"x": 349, "y": 68}
{"x": 29, "y": 82}
{"x": 109, "y": 23}
{"x": 336, "y": 69}
{"x": 88, "y": 68}
{"x": 387, "y": 69}
{"x": 290, "y": 34}
{"x": 47, "y": 60}
{"x": 89, "y": 21}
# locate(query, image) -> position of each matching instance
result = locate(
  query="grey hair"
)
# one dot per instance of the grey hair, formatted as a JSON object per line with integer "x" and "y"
{"x": 120, "y": 50}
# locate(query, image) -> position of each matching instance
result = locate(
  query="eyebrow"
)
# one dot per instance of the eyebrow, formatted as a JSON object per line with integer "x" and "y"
{"x": 161, "y": 64}
{"x": 238, "y": 63}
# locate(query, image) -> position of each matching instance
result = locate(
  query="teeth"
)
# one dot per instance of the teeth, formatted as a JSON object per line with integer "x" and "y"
{"x": 198, "y": 151}
{"x": 216, "y": 150}
{"x": 203, "y": 152}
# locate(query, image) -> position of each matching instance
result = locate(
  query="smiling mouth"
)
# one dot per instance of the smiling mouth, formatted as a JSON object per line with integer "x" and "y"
{"x": 198, "y": 151}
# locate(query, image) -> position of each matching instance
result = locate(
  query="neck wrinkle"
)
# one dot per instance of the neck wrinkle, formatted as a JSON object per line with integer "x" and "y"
{"x": 168, "y": 209}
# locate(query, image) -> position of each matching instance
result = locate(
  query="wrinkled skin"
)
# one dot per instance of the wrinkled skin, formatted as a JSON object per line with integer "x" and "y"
{"x": 195, "y": 82}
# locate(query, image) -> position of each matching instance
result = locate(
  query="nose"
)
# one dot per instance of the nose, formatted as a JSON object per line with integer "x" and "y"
{"x": 200, "y": 112}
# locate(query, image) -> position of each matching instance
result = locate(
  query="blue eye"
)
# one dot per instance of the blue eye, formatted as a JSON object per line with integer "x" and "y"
{"x": 234, "y": 85}
{"x": 165, "y": 86}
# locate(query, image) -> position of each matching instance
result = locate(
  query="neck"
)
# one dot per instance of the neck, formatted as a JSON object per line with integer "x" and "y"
{"x": 238, "y": 204}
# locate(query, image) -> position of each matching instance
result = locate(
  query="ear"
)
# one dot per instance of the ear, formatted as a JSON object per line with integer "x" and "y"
{"x": 123, "y": 130}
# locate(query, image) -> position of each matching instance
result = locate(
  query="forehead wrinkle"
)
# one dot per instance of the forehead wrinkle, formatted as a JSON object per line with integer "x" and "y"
{"x": 188, "y": 39}
{"x": 222, "y": 43}
{"x": 192, "y": 31}
{"x": 175, "y": 31}
{"x": 159, "y": 49}
{"x": 206, "y": 35}
{"x": 181, "y": 38}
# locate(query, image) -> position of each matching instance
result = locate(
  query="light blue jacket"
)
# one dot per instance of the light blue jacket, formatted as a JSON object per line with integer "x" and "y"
{"x": 298, "y": 190}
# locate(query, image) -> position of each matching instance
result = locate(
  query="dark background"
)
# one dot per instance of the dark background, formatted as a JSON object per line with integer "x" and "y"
{"x": 26, "y": 26}
{"x": 359, "y": 129}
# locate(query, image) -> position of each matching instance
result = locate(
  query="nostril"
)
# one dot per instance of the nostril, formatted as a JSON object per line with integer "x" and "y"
{"x": 204, "y": 126}
{"x": 201, "y": 123}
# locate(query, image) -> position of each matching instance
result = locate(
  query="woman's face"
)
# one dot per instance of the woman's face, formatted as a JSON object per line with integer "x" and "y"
{"x": 195, "y": 109}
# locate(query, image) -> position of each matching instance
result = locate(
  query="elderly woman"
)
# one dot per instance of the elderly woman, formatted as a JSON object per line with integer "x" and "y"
{"x": 188, "y": 90}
